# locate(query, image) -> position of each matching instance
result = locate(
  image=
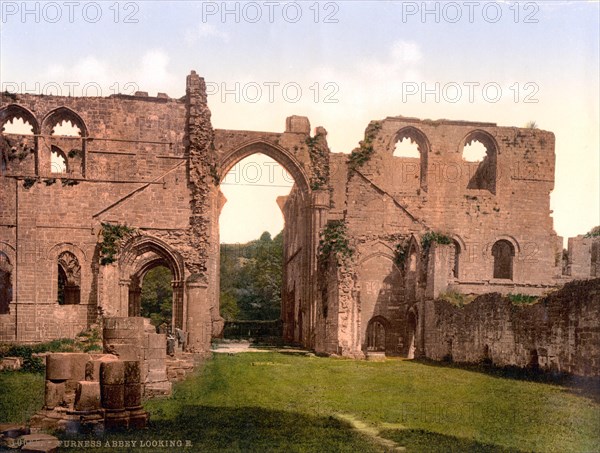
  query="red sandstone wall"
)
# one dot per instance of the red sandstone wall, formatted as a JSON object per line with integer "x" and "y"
{"x": 132, "y": 172}
{"x": 562, "y": 328}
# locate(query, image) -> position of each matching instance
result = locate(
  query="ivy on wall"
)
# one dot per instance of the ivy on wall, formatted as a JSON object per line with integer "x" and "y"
{"x": 111, "y": 237}
{"x": 359, "y": 156}
{"x": 319, "y": 158}
{"x": 433, "y": 236}
{"x": 334, "y": 241}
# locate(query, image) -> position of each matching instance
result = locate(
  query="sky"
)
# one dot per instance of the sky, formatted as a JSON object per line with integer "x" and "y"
{"x": 340, "y": 63}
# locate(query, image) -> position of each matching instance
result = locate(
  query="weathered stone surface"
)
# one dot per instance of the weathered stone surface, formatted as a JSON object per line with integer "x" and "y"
{"x": 11, "y": 363}
{"x": 13, "y": 430}
{"x": 78, "y": 365}
{"x": 157, "y": 341}
{"x": 113, "y": 396}
{"x": 116, "y": 419}
{"x": 112, "y": 372}
{"x": 87, "y": 397}
{"x": 58, "y": 366}
{"x": 138, "y": 155}
{"x": 133, "y": 395}
{"x": 133, "y": 372}
{"x": 54, "y": 394}
{"x": 36, "y": 443}
{"x": 92, "y": 367}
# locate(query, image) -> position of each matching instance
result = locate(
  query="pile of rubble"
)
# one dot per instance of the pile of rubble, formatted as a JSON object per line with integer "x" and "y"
{"x": 90, "y": 393}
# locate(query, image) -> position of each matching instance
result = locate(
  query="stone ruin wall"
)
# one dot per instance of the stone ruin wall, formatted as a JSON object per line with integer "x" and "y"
{"x": 143, "y": 155}
{"x": 559, "y": 333}
{"x": 133, "y": 159}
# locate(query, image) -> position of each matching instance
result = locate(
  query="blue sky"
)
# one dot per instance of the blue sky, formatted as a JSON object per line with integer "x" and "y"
{"x": 369, "y": 55}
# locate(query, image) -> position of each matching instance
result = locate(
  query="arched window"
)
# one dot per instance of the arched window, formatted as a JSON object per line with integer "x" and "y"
{"x": 5, "y": 283}
{"x": 64, "y": 122}
{"x": 69, "y": 279}
{"x": 410, "y": 142}
{"x": 503, "y": 253}
{"x": 480, "y": 148}
{"x": 58, "y": 161}
{"x": 15, "y": 119}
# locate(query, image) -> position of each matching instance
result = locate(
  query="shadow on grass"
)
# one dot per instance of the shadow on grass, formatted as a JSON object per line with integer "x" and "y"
{"x": 217, "y": 429}
{"x": 418, "y": 440}
{"x": 588, "y": 387}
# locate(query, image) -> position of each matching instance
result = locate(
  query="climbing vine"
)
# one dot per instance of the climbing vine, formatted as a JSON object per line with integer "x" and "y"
{"x": 359, "y": 156}
{"x": 401, "y": 253}
{"x": 75, "y": 153}
{"x": 334, "y": 241}
{"x": 16, "y": 150}
{"x": 318, "y": 152}
{"x": 432, "y": 236}
{"x": 111, "y": 237}
{"x": 594, "y": 232}
{"x": 29, "y": 182}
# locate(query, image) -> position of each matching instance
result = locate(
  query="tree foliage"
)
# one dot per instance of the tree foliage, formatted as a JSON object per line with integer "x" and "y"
{"x": 157, "y": 296}
{"x": 251, "y": 279}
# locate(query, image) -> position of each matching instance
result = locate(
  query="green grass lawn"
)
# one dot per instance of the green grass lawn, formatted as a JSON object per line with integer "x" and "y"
{"x": 21, "y": 395}
{"x": 276, "y": 402}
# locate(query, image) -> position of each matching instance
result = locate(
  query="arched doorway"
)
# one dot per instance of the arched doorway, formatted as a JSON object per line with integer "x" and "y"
{"x": 141, "y": 255}
{"x": 376, "y": 335}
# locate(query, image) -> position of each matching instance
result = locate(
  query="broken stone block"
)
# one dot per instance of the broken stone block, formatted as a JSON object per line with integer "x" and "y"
{"x": 133, "y": 395}
{"x": 113, "y": 396}
{"x": 78, "y": 363}
{"x": 58, "y": 366}
{"x": 87, "y": 396}
{"x": 11, "y": 363}
{"x": 13, "y": 430}
{"x": 157, "y": 388}
{"x": 54, "y": 394}
{"x": 133, "y": 372}
{"x": 36, "y": 443}
{"x": 157, "y": 341}
{"x": 112, "y": 373}
{"x": 127, "y": 351}
{"x": 298, "y": 124}
{"x": 92, "y": 367}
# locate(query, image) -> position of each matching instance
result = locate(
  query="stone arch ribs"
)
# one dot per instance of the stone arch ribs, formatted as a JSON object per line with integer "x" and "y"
{"x": 140, "y": 245}
{"x": 279, "y": 154}
{"x": 142, "y": 253}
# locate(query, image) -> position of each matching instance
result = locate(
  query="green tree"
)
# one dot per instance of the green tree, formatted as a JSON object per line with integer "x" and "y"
{"x": 251, "y": 279}
{"x": 157, "y": 296}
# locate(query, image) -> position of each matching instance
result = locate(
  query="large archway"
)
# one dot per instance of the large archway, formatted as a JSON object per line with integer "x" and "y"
{"x": 294, "y": 289}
